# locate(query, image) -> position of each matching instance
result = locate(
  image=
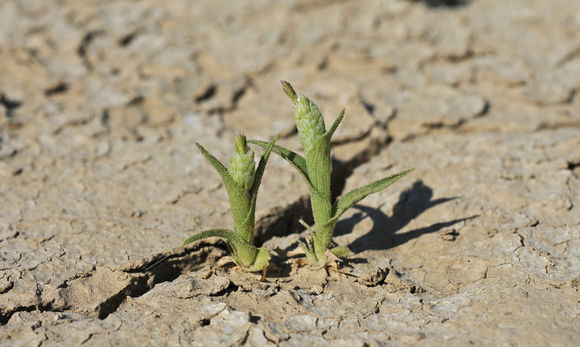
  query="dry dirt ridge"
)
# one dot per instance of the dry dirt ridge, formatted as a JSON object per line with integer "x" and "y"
{"x": 101, "y": 104}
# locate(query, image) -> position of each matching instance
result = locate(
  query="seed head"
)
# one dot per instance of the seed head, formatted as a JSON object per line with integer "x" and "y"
{"x": 242, "y": 166}
{"x": 308, "y": 121}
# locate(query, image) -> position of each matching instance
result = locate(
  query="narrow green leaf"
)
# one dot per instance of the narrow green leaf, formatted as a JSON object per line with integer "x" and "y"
{"x": 223, "y": 233}
{"x": 336, "y": 123}
{"x": 321, "y": 207}
{"x": 262, "y": 166}
{"x": 309, "y": 254}
{"x": 293, "y": 158}
{"x": 322, "y": 238}
{"x": 240, "y": 199}
{"x": 318, "y": 160}
{"x": 289, "y": 91}
{"x": 356, "y": 195}
{"x": 262, "y": 259}
{"x": 341, "y": 252}
{"x": 245, "y": 228}
{"x": 219, "y": 167}
{"x": 319, "y": 168}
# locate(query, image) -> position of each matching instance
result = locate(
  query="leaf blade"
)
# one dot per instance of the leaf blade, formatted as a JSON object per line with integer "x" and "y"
{"x": 262, "y": 259}
{"x": 292, "y": 157}
{"x": 262, "y": 166}
{"x": 295, "y": 159}
{"x": 223, "y": 233}
{"x": 342, "y": 252}
{"x": 240, "y": 200}
{"x": 318, "y": 160}
{"x": 308, "y": 252}
{"x": 289, "y": 91}
{"x": 336, "y": 123}
{"x": 218, "y": 166}
{"x": 356, "y": 195}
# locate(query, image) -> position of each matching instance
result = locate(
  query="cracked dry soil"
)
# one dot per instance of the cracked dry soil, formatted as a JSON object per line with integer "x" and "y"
{"x": 101, "y": 104}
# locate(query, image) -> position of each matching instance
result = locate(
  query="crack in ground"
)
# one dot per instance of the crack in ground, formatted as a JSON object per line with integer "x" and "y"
{"x": 82, "y": 50}
{"x": 9, "y": 105}
{"x": 143, "y": 276}
{"x": 167, "y": 266}
{"x": 236, "y": 95}
{"x": 571, "y": 165}
{"x": 126, "y": 39}
{"x": 207, "y": 94}
{"x": 59, "y": 88}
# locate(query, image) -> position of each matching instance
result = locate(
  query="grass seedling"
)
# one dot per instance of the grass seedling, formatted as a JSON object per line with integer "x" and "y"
{"x": 315, "y": 168}
{"x": 242, "y": 181}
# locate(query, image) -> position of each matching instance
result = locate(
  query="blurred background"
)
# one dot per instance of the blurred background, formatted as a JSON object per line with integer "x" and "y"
{"x": 102, "y": 102}
{"x": 127, "y": 68}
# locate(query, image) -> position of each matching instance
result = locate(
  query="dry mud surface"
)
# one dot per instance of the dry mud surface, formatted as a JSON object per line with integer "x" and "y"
{"x": 101, "y": 103}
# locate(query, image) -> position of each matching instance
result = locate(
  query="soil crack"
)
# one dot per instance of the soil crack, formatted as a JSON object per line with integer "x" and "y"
{"x": 82, "y": 50}
{"x": 112, "y": 286}
{"x": 9, "y": 104}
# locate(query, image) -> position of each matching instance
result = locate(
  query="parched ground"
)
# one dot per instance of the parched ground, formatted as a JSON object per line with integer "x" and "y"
{"x": 101, "y": 103}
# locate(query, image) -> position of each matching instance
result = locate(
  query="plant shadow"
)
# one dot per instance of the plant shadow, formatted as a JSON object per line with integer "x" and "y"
{"x": 443, "y": 3}
{"x": 383, "y": 235}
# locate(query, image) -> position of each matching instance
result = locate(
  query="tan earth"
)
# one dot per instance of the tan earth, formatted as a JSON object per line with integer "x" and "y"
{"x": 101, "y": 103}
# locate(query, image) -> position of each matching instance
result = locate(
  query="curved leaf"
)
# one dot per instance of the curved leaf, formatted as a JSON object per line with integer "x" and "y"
{"x": 341, "y": 252}
{"x": 319, "y": 166}
{"x": 321, "y": 208}
{"x": 262, "y": 259}
{"x": 336, "y": 123}
{"x": 356, "y": 195}
{"x": 245, "y": 228}
{"x": 293, "y": 158}
{"x": 309, "y": 253}
{"x": 262, "y": 166}
{"x": 318, "y": 161}
{"x": 240, "y": 199}
{"x": 223, "y": 233}
{"x": 289, "y": 91}
{"x": 219, "y": 167}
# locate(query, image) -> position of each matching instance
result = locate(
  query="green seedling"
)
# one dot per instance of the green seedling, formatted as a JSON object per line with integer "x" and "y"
{"x": 242, "y": 181}
{"x": 315, "y": 168}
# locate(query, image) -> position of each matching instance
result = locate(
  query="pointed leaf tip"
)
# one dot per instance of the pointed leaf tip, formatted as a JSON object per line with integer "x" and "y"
{"x": 291, "y": 157}
{"x": 356, "y": 195}
{"x": 262, "y": 260}
{"x": 341, "y": 252}
{"x": 223, "y": 233}
{"x": 335, "y": 124}
{"x": 261, "y": 166}
{"x": 240, "y": 143}
{"x": 308, "y": 252}
{"x": 289, "y": 91}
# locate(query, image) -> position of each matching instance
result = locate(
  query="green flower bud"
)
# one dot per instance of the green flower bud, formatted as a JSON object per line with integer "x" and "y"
{"x": 242, "y": 166}
{"x": 308, "y": 121}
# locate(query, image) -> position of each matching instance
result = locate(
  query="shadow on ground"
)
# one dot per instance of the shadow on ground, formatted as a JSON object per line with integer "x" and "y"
{"x": 443, "y": 3}
{"x": 412, "y": 202}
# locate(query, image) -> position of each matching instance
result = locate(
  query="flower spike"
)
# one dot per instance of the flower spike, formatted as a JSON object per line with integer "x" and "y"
{"x": 315, "y": 168}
